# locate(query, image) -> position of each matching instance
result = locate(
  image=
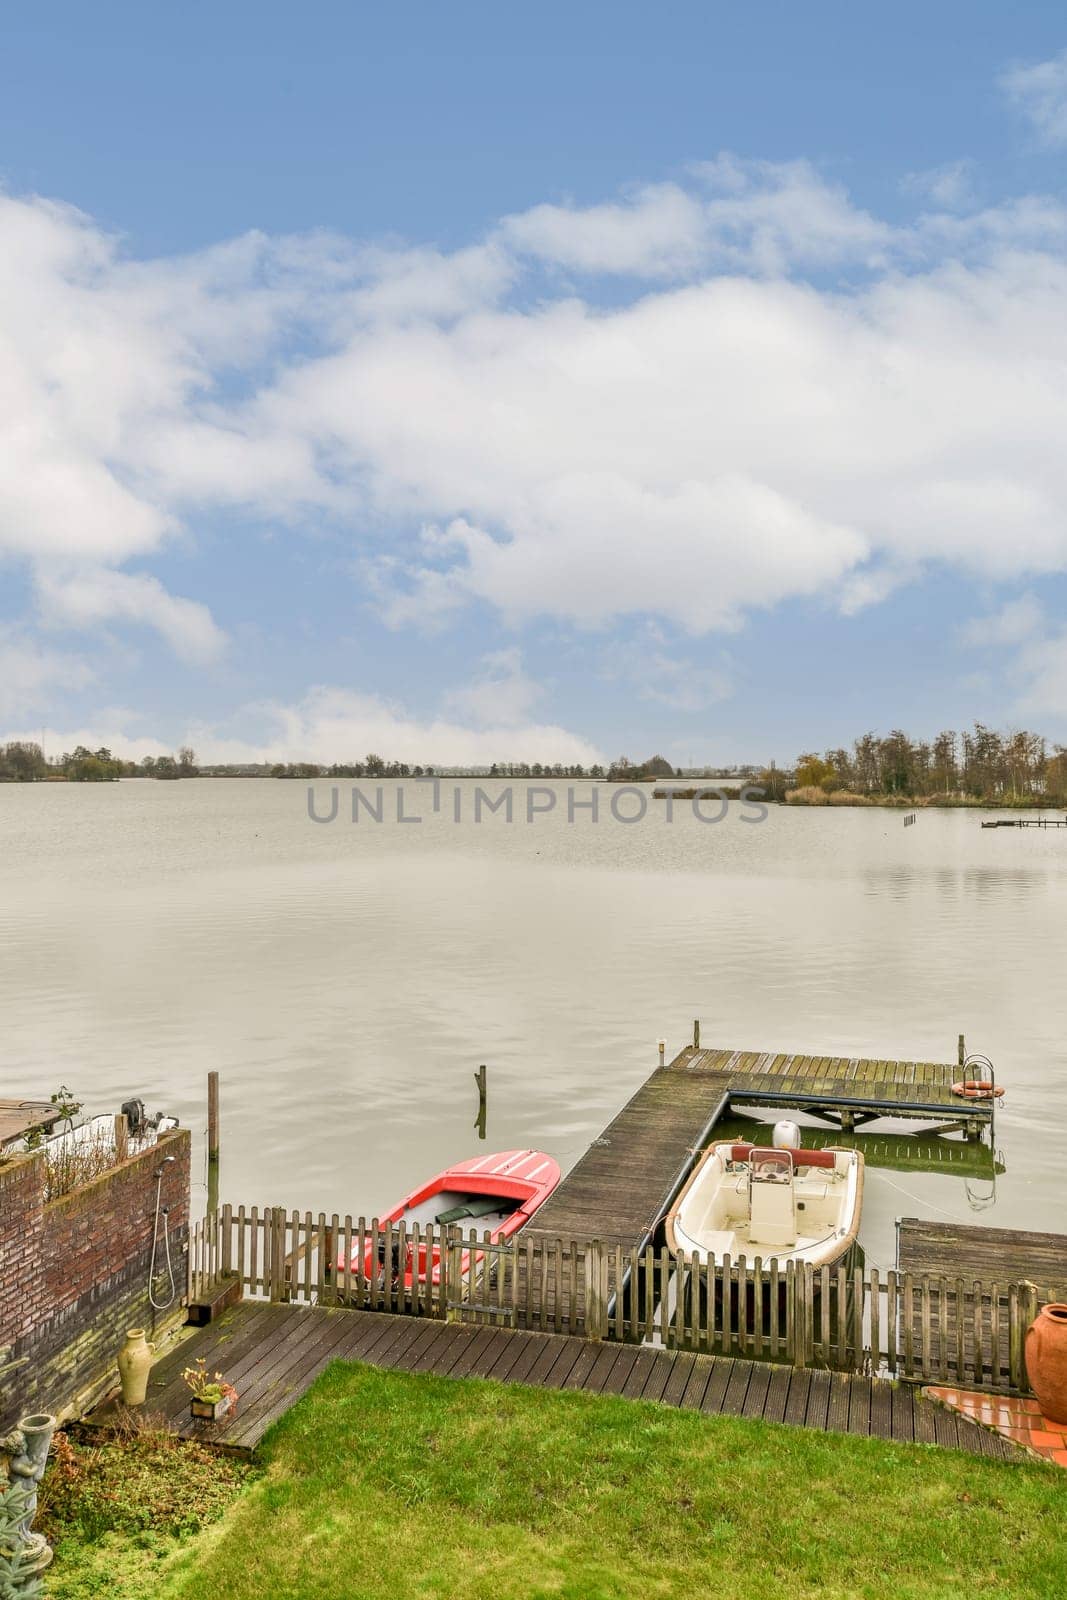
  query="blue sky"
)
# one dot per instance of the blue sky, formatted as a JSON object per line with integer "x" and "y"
{"x": 479, "y": 384}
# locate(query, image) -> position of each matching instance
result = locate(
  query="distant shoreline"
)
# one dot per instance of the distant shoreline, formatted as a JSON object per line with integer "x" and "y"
{"x": 844, "y": 800}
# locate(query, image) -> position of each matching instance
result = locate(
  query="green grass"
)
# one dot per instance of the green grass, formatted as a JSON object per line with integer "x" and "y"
{"x": 115, "y": 1511}
{"x": 386, "y": 1484}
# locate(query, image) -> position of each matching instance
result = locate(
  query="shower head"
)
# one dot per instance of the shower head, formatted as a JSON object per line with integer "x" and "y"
{"x": 163, "y": 1163}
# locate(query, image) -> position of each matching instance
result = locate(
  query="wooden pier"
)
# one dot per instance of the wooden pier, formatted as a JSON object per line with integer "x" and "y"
{"x": 273, "y": 1354}
{"x": 621, "y": 1187}
{"x": 989, "y": 1256}
{"x": 1027, "y": 822}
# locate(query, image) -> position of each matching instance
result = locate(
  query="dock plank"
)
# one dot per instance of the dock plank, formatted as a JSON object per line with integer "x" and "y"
{"x": 986, "y": 1255}
{"x": 281, "y": 1350}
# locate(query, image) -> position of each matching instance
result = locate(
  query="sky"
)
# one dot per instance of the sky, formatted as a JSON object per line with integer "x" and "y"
{"x": 475, "y": 383}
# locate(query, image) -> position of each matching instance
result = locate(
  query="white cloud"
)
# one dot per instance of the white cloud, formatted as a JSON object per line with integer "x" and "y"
{"x": 1016, "y": 622}
{"x": 727, "y": 438}
{"x": 111, "y": 425}
{"x": 712, "y": 448}
{"x": 649, "y": 667}
{"x": 31, "y": 676}
{"x": 761, "y": 216}
{"x": 1040, "y": 673}
{"x": 331, "y": 724}
{"x": 1040, "y": 93}
{"x": 1030, "y": 655}
{"x": 403, "y": 284}
{"x": 950, "y": 185}
{"x": 502, "y": 695}
{"x": 103, "y": 734}
{"x": 329, "y": 720}
{"x": 89, "y": 597}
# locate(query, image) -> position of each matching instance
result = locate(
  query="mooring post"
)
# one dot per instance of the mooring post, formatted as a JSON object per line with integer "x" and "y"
{"x": 122, "y": 1136}
{"x": 479, "y": 1078}
{"x": 212, "y": 1141}
{"x": 962, "y": 1051}
{"x": 662, "y": 1051}
{"x": 696, "y": 1034}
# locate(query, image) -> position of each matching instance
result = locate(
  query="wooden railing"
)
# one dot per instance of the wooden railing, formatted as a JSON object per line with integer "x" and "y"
{"x": 928, "y": 1329}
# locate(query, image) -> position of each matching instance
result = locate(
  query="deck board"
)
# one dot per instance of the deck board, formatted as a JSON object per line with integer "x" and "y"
{"x": 274, "y": 1354}
{"x": 985, "y": 1255}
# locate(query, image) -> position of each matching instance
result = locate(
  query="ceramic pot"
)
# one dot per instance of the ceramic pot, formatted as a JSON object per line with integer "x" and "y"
{"x": 135, "y": 1363}
{"x": 1046, "y": 1361}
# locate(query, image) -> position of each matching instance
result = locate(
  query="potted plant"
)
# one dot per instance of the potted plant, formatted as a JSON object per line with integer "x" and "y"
{"x": 212, "y": 1397}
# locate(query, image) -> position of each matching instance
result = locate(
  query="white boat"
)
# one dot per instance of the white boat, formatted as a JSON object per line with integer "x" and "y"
{"x": 781, "y": 1204}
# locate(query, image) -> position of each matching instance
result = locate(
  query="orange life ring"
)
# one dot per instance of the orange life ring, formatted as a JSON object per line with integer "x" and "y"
{"x": 978, "y": 1089}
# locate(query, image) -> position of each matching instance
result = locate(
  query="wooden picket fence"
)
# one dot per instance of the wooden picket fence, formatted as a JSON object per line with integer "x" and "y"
{"x": 920, "y": 1329}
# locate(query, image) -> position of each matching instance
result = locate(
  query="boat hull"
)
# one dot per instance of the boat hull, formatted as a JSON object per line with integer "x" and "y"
{"x": 493, "y": 1195}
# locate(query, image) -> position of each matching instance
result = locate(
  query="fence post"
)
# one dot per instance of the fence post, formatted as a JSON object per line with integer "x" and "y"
{"x": 1022, "y": 1303}
{"x": 226, "y": 1262}
{"x": 594, "y": 1283}
{"x": 452, "y": 1262}
{"x": 277, "y": 1254}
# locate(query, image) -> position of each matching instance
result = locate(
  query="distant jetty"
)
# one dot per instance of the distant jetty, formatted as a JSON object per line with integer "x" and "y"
{"x": 719, "y": 790}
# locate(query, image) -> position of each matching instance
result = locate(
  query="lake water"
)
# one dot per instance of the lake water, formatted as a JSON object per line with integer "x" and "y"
{"x": 346, "y": 980}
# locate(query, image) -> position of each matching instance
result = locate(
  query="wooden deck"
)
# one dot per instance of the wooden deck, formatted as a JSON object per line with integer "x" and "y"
{"x": 983, "y": 1255}
{"x": 621, "y": 1187}
{"x": 845, "y": 1089}
{"x": 1027, "y": 822}
{"x": 272, "y": 1354}
{"x": 618, "y": 1190}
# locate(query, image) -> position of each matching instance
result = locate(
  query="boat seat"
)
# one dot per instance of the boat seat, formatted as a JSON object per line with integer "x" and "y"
{"x": 473, "y": 1208}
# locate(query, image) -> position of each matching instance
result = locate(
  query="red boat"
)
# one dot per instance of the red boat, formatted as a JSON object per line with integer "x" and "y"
{"x": 495, "y": 1194}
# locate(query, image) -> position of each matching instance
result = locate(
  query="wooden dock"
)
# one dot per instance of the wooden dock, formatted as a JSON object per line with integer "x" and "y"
{"x": 845, "y": 1091}
{"x": 982, "y": 1255}
{"x": 273, "y": 1354}
{"x": 621, "y": 1187}
{"x": 1027, "y": 822}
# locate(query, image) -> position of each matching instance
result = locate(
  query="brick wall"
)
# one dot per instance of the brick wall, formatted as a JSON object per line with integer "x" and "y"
{"x": 74, "y": 1274}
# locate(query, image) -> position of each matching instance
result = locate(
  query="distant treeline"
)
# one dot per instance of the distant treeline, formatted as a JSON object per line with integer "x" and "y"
{"x": 26, "y": 763}
{"x": 980, "y": 766}
{"x": 621, "y": 771}
{"x": 22, "y": 762}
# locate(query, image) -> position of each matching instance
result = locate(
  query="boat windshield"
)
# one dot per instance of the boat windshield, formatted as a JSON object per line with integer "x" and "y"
{"x": 771, "y": 1166}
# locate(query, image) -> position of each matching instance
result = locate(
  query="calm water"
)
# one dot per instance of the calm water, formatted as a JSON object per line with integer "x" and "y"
{"x": 347, "y": 980}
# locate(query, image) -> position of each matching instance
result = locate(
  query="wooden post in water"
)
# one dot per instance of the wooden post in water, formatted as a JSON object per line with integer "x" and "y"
{"x": 696, "y": 1034}
{"x": 662, "y": 1043}
{"x": 212, "y": 1141}
{"x": 122, "y": 1136}
{"x": 479, "y": 1078}
{"x": 962, "y": 1048}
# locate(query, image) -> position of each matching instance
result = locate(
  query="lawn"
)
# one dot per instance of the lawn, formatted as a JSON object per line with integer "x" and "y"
{"x": 418, "y": 1488}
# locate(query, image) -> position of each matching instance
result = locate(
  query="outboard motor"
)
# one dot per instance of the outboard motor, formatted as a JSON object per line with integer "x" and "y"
{"x": 786, "y": 1136}
{"x": 133, "y": 1111}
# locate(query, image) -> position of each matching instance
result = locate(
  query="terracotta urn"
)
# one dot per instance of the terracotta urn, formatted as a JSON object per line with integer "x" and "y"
{"x": 1046, "y": 1361}
{"x": 135, "y": 1363}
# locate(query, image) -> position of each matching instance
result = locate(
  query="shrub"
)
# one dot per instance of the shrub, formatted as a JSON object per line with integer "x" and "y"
{"x": 145, "y": 1482}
